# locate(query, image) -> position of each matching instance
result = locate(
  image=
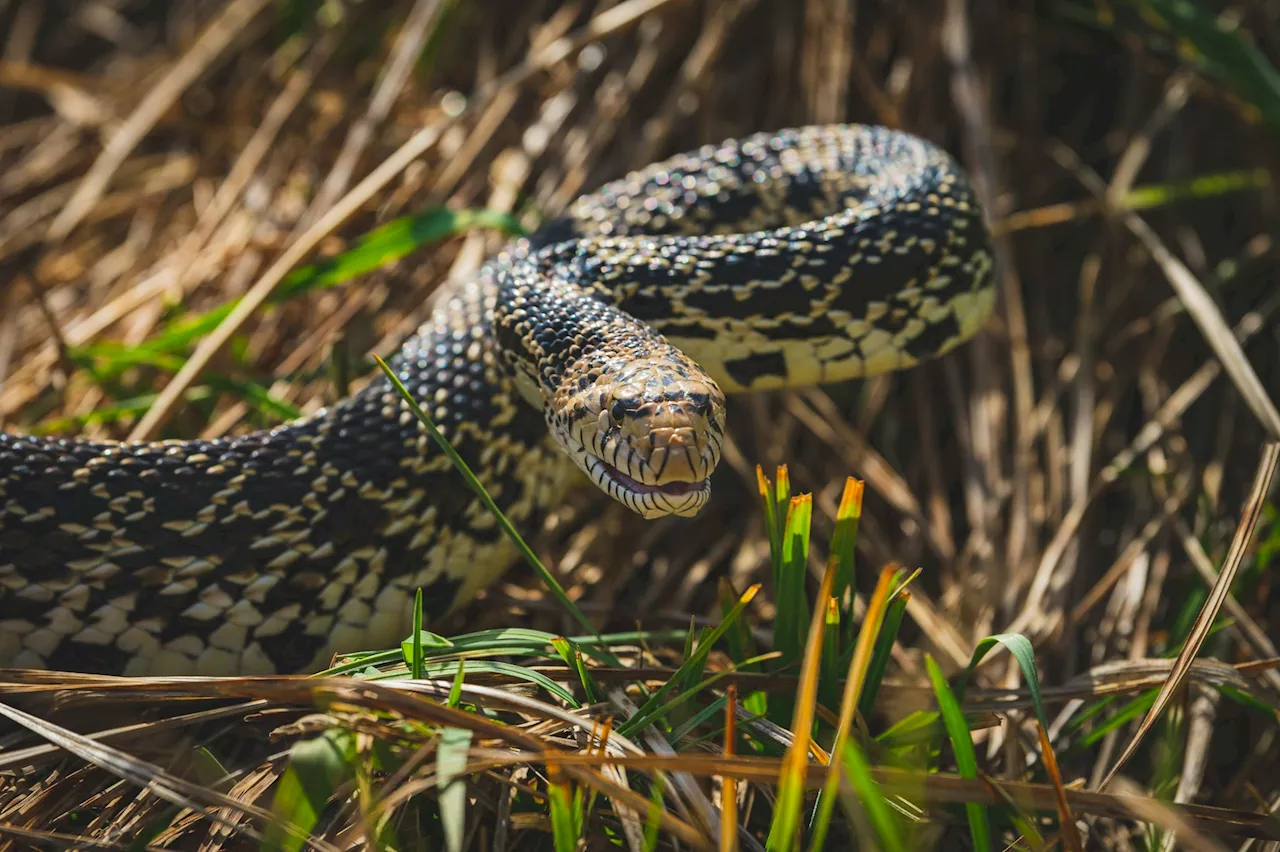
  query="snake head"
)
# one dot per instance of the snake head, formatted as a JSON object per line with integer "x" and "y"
{"x": 647, "y": 431}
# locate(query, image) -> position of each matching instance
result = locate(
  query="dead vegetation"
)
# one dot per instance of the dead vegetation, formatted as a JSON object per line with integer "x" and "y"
{"x": 1092, "y": 473}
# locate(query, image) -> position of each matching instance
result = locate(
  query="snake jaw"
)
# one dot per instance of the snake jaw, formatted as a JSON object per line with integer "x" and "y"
{"x": 650, "y": 501}
{"x": 673, "y": 479}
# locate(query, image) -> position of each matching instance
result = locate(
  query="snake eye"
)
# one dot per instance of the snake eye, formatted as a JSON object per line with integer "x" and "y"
{"x": 617, "y": 411}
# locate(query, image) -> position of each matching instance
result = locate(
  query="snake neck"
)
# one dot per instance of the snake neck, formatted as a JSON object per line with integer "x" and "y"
{"x": 269, "y": 552}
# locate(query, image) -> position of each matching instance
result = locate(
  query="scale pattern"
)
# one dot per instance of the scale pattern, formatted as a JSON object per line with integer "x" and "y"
{"x": 779, "y": 260}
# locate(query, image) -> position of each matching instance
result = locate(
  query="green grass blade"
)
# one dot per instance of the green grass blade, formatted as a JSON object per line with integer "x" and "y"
{"x": 1219, "y": 52}
{"x": 769, "y": 501}
{"x": 572, "y": 655}
{"x": 882, "y": 651}
{"x": 527, "y": 552}
{"x": 392, "y": 241}
{"x": 491, "y": 643}
{"x": 455, "y": 691}
{"x": 1019, "y": 647}
{"x": 829, "y": 684}
{"x": 738, "y": 638}
{"x": 869, "y": 797}
{"x": 696, "y": 720}
{"x": 1150, "y": 196}
{"x": 742, "y": 646}
{"x": 793, "y": 605}
{"x": 1129, "y": 711}
{"x": 1248, "y": 700}
{"x": 419, "y": 646}
{"x": 114, "y": 413}
{"x": 208, "y": 769}
{"x": 783, "y": 494}
{"x": 962, "y": 744}
{"x": 105, "y": 362}
{"x": 640, "y": 720}
{"x": 566, "y": 818}
{"x": 415, "y": 658}
{"x": 855, "y": 681}
{"x": 844, "y": 539}
{"x": 784, "y": 828}
{"x": 451, "y": 760}
{"x": 316, "y": 767}
{"x": 696, "y": 660}
{"x": 923, "y": 727}
{"x": 653, "y": 817}
{"x": 511, "y": 670}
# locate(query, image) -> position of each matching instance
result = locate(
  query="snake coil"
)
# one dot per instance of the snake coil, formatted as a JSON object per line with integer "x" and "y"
{"x": 794, "y": 258}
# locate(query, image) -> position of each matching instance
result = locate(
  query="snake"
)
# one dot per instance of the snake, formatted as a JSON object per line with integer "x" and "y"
{"x": 602, "y": 345}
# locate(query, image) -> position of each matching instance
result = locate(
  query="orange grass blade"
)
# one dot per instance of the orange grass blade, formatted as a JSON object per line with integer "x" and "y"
{"x": 728, "y": 784}
{"x": 1070, "y": 836}
{"x": 791, "y": 783}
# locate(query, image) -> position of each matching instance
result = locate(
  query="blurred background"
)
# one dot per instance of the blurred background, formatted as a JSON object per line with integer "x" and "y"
{"x": 1075, "y": 473}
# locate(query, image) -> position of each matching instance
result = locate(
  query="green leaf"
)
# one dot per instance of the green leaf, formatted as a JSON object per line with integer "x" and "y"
{"x": 1248, "y": 700}
{"x": 663, "y": 710}
{"x": 1129, "y": 711}
{"x": 515, "y": 672}
{"x": 829, "y": 683}
{"x": 844, "y": 540}
{"x": 962, "y": 744}
{"x": 869, "y": 797}
{"x": 415, "y": 648}
{"x": 572, "y": 655}
{"x": 316, "y": 767}
{"x": 455, "y": 691}
{"x": 141, "y": 840}
{"x": 392, "y": 241}
{"x": 654, "y": 816}
{"x": 793, "y": 606}
{"x": 385, "y": 244}
{"x": 1202, "y": 186}
{"x": 458, "y": 462}
{"x": 694, "y": 661}
{"x": 769, "y": 502}
{"x": 1219, "y": 51}
{"x": 881, "y": 653}
{"x": 566, "y": 816}
{"x": 1019, "y": 647}
{"x": 420, "y": 645}
{"x": 451, "y": 762}
{"x": 209, "y": 770}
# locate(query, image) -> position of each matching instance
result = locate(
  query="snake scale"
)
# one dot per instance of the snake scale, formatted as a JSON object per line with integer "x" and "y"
{"x": 809, "y": 255}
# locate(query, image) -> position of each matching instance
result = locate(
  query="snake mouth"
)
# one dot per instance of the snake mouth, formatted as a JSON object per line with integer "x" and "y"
{"x": 670, "y": 489}
{"x": 650, "y": 501}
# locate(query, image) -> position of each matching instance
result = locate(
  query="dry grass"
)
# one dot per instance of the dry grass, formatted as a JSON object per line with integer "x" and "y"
{"x": 1077, "y": 474}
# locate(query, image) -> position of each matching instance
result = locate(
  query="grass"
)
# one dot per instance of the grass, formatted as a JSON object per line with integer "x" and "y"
{"x": 1017, "y": 598}
{"x": 403, "y": 768}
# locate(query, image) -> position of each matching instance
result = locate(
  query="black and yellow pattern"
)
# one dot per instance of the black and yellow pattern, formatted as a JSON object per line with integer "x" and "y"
{"x": 806, "y": 256}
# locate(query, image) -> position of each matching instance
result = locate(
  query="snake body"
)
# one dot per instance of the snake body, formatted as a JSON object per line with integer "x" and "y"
{"x": 809, "y": 255}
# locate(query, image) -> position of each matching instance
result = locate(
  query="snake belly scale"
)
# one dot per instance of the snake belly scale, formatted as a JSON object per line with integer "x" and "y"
{"x": 793, "y": 258}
